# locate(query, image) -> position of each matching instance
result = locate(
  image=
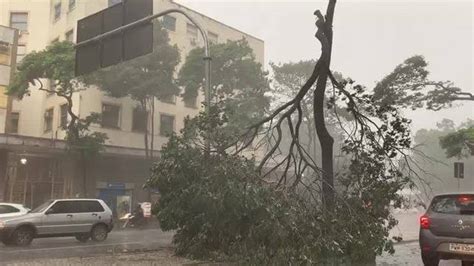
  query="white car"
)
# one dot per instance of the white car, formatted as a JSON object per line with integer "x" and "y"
{"x": 12, "y": 210}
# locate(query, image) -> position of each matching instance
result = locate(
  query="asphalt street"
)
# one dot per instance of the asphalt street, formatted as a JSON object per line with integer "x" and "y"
{"x": 65, "y": 247}
{"x": 407, "y": 253}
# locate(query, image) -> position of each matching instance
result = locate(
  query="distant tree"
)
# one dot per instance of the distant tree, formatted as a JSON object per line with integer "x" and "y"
{"x": 461, "y": 142}
{"x": 56, "y": 64}
{"x": 238, "y": 82}
{"x": 144, "y": 79}
{"x": 408, "y": 86}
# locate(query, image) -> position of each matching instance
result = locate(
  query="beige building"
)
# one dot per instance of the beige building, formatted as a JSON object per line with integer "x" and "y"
{"x": 39, "y": 116}
{"x": 44, "y": 21}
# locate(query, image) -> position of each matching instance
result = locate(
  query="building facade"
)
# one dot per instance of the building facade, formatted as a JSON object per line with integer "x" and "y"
{"x": 39, "y": 117}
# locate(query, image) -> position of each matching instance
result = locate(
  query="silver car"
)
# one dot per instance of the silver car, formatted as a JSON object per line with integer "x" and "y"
{"x": 447, "y": 229}
{"x": 83, "y": 218}
{"x": 12, "y": 210}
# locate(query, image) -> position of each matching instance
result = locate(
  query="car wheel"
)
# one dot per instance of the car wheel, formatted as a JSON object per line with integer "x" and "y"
{"x": 82, "y": 238}
{"x": 467, "y": 263}
{"x": 22, "y": 236}
{"x": 99, "y": 233}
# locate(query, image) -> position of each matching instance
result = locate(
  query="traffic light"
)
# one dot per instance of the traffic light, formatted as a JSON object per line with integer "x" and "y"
{"x": 120, "y": 46}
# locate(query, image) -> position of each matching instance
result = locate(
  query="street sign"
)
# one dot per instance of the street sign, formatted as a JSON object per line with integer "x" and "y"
{"x": 119, "y": 47}
{"x": 458, "y": 170}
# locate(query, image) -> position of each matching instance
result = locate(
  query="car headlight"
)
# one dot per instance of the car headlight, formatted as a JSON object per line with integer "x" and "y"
{"x": 2, "y": 225}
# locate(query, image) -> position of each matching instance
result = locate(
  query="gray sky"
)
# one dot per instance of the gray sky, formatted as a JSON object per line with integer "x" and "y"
{"x": 370, "y": 38}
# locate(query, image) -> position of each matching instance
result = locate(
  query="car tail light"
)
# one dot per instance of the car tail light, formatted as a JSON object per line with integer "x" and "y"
{"x": 425, "y": 222}
{"x": 464, "y": 199}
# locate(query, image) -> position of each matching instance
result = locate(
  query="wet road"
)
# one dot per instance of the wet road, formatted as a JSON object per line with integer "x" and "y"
{"x": 118, "y": 241}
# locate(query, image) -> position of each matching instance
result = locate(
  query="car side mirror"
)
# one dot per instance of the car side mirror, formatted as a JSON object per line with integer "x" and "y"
{"x": 49, "y": 211}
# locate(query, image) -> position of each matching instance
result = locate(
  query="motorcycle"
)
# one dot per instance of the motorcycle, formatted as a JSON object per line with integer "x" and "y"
{"x": 140, "y": 218}
{"x": 130, "y": 221}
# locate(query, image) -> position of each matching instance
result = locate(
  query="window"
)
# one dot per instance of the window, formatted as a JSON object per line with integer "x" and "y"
{"x": 70, "y": 36}
{"x": 213, "y": 38}
{"x": 454, "y": 204}
{"x": 14, "y": 122}
{"x": 48, "y": 120}
{"x": 192, "y": 33}
{"x": 19, "y": 20}
{"x": 190, "y": 102}
{"x": 64, "y": 116}
{"x": 168, "y": 98}
{"x": 20, "y": 52}
{"x": 90, "y": 206}
{"x": 166, "y": 125}
{"x": 169, "y": 23}
{"x": 140, "y": 118}
{"x": 64, "y": 207}
{"x": 72, "y": 4}
{"x": 8, "y": 209}
{"x": 110, "y": 115}
{"x": 113, "y": 2}
{"x": 57, "y": 11}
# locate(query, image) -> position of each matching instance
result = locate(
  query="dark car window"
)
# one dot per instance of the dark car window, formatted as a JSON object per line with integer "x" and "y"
{"x": 91, "y": 206}
{"x": 65, "y": 207}
{"x": 8, "y": 209}
{"x": 453, "y": 204}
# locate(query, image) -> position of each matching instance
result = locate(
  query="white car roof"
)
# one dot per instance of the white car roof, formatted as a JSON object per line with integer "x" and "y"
{"x": 12, "y": 204}
{"x": 76, "y": 199}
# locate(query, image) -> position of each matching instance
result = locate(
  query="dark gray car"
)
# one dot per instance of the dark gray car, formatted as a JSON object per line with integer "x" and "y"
{"x": 82, "y": 218}
{"x": 447, "y": 229}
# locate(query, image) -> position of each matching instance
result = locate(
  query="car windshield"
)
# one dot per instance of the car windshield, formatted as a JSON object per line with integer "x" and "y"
{"x": 454, "y": 204}
{"x": 42, "y": 207}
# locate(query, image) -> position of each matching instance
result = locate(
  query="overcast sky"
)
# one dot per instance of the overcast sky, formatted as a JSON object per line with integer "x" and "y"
{"x": 370, "y": 38}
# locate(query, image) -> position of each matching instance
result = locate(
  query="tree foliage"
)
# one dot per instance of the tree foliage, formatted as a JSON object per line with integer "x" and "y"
{"x": 409, "y": 86}
{"x": 238, "y": 81}
{"x": 460, "y": 143}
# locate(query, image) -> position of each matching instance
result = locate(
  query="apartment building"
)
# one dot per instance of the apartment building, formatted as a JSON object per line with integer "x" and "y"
{"x": 39, "y": 116}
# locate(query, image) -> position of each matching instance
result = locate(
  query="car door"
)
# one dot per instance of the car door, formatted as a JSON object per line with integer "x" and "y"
{"x": 90, "y": 213}
{"x": 57, "y": 219}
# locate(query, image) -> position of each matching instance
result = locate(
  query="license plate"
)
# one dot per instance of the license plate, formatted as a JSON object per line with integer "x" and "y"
{"x": 462, "y": 248}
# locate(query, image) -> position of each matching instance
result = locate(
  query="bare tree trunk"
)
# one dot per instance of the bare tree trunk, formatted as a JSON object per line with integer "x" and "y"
{"x": 325, "y": 138}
